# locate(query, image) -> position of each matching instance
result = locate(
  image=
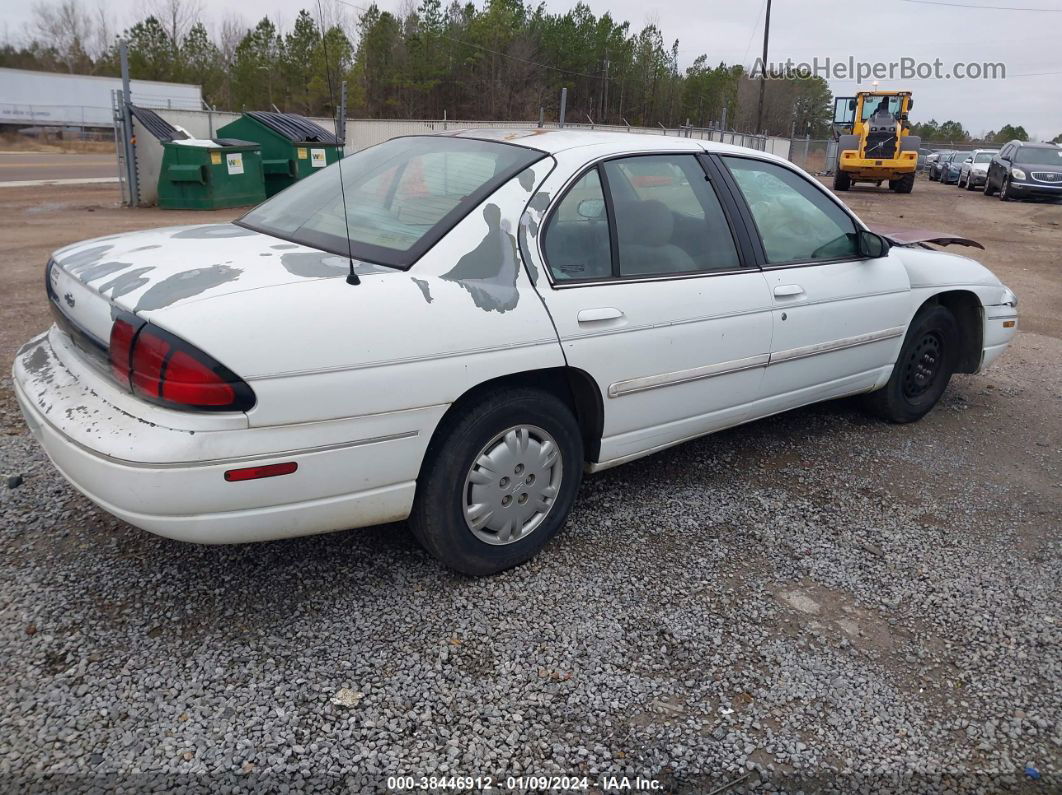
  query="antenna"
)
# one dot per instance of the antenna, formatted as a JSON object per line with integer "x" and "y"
{"x": 352, "y": 277}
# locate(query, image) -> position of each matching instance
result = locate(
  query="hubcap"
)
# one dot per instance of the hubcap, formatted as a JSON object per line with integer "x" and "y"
{"x": 922, "y": 365}
{"x": 513, "y": 484}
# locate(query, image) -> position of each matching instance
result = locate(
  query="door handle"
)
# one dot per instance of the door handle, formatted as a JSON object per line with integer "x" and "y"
{"x": 600, "y": 313}
{"x": 788, "y": 290}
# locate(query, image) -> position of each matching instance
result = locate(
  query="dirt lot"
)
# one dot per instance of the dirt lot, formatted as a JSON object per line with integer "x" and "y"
{"x": 816, "y": 597}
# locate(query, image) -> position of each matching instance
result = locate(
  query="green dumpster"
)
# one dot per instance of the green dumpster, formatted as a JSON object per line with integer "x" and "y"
{"x": 293, "y": 147}
{"x": 208, "y": 174}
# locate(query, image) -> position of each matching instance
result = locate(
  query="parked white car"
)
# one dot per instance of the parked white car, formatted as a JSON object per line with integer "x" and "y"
{"x": 454, "y": 328}
{"x": 974, "y": 168}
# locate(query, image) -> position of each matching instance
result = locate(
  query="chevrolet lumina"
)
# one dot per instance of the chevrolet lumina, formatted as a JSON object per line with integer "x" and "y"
{"x": 453, "y": 329}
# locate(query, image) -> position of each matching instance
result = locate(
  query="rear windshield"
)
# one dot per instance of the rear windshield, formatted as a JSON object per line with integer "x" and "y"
{"x": 400, "y": 196}
{"x": 1039, "y": 156}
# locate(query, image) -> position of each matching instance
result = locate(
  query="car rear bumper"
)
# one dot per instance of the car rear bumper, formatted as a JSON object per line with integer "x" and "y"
{"x": 171, "y": 481}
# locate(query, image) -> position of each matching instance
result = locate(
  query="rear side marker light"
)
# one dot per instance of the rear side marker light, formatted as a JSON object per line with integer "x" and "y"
{"x": 1009, "y": 324}
{"x": 254, "y": 473}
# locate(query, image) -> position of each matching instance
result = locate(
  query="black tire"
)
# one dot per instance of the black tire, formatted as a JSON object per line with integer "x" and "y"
{"x": 926, "y": 362}
{"x": 438, "y": 516}
{"x": 931, "y": 177}
{"x": 904, "y": 184}
{"x": 989, "y": 190}
{"x": 970, "y": 183}
{"x": 841, "y": 180}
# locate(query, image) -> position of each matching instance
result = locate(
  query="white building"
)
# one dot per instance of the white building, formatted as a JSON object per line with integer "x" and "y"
{"x": 54, "y": 99}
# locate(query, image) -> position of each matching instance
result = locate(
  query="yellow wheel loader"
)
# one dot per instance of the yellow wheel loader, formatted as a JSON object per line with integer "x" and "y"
{"x": 874, "y": 143}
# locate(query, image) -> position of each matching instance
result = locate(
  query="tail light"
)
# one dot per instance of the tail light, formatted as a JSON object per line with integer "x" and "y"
{"x": 164, "y": 369}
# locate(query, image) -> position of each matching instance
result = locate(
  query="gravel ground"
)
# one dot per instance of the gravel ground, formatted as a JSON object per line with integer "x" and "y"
{"x": 815, "y": 602}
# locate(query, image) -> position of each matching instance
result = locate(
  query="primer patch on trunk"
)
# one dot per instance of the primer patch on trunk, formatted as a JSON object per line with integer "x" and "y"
{"x": 527, "y": 179}
{"x": 424, "y": 288}
{"x": 213, "y": 231}
{"x": 185, "y": 285}
{"x": 86, "y": 257}
{"x": 126, "y": 283}
{"x": 489, "y": 271}
{"x": 95, "y": 272}
{"x": 145, "y": 248}
{"x": 318, "y": 264}
{"x": 312, "y": 264}
{"x": 284, "y": 246}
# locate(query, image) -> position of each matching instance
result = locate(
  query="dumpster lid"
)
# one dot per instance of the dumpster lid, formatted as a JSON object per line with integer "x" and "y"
{"x": 294, "y": 127}
{"x": 216, "y": 143}
{"x": 156, "y": 125}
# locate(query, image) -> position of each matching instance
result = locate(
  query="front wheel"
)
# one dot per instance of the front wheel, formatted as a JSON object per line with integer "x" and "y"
{"x": 970, "y": 185}
{"x": 904, "y": 184}
{"x": 1004, "y": 190}
{"x": 499, "y": 481}
{"x": 989, "y": 190}
{"x": 841, "y": 180}
{"x": 924, "y": 367}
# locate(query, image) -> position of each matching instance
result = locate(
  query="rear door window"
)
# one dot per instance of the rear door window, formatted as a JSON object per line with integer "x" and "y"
{"x": 633, "y": 217}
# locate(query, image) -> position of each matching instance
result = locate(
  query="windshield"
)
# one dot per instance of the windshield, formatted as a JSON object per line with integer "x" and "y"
{"x": 983, "y": 157}
{"x": 1039, "y": 156}
{"x": 401, "y": 197}
{"x": 875, "y": 102}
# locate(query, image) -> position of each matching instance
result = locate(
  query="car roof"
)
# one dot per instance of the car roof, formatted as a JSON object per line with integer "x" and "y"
{"x": 1036, "y": 144}
{"x": 553, "y": 141}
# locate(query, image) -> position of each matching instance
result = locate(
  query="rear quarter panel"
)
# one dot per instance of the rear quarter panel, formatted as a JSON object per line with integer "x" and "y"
{"x": 321, "y": 349}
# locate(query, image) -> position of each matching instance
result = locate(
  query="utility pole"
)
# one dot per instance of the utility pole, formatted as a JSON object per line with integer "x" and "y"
{"x": 563, "y": 106}
{"x": 763, "y": 71}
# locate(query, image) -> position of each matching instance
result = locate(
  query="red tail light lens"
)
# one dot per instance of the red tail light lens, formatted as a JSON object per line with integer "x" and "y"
{"x": 164, "y": 369}
{"x": 121, "y": 349}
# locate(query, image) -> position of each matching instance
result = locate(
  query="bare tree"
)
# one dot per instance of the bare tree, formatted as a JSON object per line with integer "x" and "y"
{"x": 177, "y": 16}
{"x": 65, "y": 26}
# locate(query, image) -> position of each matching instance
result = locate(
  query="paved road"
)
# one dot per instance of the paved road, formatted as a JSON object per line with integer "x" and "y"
{"x": 22, "y": 166}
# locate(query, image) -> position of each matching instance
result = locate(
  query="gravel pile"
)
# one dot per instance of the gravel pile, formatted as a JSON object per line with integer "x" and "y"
{"x": 816, "y": 602}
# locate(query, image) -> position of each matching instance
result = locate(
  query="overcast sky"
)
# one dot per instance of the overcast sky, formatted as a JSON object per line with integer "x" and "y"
{"x": 869, "y": 30}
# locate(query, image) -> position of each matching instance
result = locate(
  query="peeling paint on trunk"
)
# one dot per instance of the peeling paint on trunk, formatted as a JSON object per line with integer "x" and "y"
{"x": 319, "y": 264}
{"x": 91, "y": 274}
{"x": 489, "y": 271}
{"x": 79, "y": 260}
{"x": 213, "y": 231}
{"x": 185, "y": 285}
{"x": 126, "y": 283}
{"x": 527, "y": 179}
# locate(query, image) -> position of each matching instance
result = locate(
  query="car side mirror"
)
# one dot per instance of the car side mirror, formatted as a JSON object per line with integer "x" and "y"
{"x": 591, "y": 208}
{"x": 870, "y": 245}
{"x": 968, "y": 160}
{"x": 910, "y": 103}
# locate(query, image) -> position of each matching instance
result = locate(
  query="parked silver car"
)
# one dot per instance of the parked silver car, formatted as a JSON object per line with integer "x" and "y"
{"x": 974, "y": 168}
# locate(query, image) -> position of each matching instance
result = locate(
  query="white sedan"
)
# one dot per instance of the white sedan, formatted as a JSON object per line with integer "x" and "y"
{"x": 453, "y": 329}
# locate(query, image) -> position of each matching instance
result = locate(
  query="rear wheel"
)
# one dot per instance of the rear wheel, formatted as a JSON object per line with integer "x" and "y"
{"x": 498, "y": 482}
{"x": 841, "y": 180}
{"x": 923, "y": 368}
